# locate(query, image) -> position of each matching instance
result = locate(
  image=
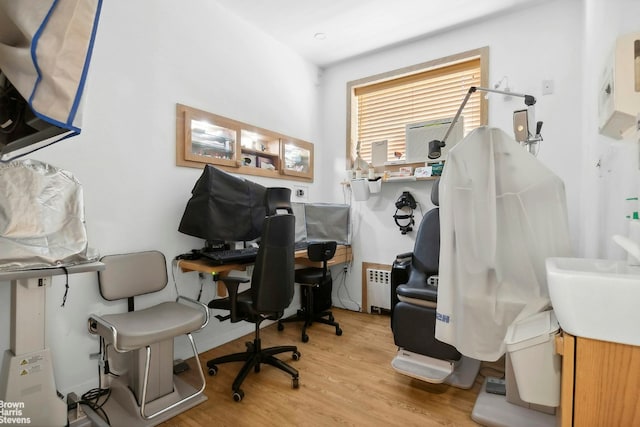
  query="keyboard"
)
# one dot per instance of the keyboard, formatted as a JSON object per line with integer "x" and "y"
{"x": 232, "y": 256}
{"x": 240, "y": 256}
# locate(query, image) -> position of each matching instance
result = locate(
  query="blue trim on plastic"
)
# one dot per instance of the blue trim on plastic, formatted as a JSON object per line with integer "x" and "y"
{"x": 69, "y": 124}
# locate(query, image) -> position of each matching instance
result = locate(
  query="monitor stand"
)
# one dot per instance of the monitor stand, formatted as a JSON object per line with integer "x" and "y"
{"x": 26, "y": 379}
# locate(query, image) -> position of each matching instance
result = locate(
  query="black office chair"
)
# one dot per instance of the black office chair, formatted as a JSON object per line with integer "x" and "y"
{"x": 316, "y": 285}
{"x": 272, "y": 288}
{"x": 277, "y": 200}
{"x": 414, "y": 295}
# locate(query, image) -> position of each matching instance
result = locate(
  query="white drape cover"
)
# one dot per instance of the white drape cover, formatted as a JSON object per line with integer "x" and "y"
{"x": 45, "y": 48}
{"x": 502, "y": 214}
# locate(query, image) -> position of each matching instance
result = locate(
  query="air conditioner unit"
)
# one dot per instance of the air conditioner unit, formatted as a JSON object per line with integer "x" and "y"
{"x": 418, "y": 135}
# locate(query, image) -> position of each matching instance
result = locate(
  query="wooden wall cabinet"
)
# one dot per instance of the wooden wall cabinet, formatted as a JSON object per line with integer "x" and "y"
{"x": 206, "y": 138}
{"x": 297, "y": 158}
{"x": 600, "y": 383}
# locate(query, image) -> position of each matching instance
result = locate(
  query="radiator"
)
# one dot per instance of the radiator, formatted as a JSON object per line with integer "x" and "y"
{"x": 378, "y": 289}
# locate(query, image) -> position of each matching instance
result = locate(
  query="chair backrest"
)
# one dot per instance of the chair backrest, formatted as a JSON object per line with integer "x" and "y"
{"x": 321, "y": 251}
{"x": 272, "y": 281}
{"x": 426, "y": 252}
{"x": 129, "y": 275}
{"x": 277, "y": 199}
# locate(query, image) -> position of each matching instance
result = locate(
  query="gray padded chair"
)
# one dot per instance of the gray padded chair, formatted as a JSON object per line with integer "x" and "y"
{"x": 148, "y": 334}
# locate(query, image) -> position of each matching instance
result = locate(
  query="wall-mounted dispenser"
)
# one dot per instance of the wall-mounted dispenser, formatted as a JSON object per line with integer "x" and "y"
{"x": 619, "y": 97}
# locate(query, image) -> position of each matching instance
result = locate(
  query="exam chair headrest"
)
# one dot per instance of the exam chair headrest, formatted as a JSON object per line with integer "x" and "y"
{"x": 435, "y": 192}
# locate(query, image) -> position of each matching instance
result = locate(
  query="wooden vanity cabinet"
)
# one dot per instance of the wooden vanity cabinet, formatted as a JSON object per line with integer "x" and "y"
{"x": 600, "y": 383}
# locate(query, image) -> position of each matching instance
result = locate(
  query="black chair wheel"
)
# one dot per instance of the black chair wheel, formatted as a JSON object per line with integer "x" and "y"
{"x": 305, "y": 338}
{"x": 338, "y": 331}
{"x": 238, "y": 395}
{"x": 256, "y": 368}
{"x": 280, "y": 326}
{"x": 296, "y": 355}
{"x": 249, "y": 346}
{"x": 213, "y": 370}
{"x": 295, "y": 383}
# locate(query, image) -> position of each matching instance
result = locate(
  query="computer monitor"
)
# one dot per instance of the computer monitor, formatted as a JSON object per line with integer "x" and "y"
{"x": 418, "y": 136}
{"x": 224, "y": 208}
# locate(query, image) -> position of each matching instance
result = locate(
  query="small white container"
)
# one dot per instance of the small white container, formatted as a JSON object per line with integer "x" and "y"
{"x": 360, "y": 189}
{"x": 375, "y": 185}
{"x": 530, "y": 343}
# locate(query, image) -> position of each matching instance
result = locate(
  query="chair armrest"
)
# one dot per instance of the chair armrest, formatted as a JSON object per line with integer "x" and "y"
{"x": 200, "y": 305}
{"x": 99, "y": 326}
{"x": 418, "y": 293}
{"x": 232, "y": 283}
{"x": 404, "y": 256}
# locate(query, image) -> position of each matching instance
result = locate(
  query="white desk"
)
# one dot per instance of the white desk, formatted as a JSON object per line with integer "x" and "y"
{"x": 26, "y": 379}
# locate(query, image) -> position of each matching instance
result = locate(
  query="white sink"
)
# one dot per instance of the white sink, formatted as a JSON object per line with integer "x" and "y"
{"x": 596, "y": 298}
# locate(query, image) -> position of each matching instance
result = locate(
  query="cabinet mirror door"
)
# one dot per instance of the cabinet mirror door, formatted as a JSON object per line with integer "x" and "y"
{"x": 209, "y": 138}
{"x": 297, "y": 158}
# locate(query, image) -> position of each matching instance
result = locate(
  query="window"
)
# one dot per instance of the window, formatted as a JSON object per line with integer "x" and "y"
{"x": 381, "y": 106}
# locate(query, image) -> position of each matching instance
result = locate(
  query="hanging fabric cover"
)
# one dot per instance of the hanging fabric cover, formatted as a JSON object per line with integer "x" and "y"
{"x": 502, "y": 212}
{"x": 45, "y": 49}
{"x": 41, "y": 217}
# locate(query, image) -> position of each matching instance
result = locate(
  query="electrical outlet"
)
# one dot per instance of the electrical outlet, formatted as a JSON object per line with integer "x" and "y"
{"x": 547, "y": 87}
{"x": 301, "y": 193}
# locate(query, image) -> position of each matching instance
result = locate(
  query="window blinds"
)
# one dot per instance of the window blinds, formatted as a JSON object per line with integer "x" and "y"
{"x": 384, "y": 108}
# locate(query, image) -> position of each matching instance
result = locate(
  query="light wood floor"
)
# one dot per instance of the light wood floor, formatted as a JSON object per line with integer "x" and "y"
{"x": 344, "y": 380}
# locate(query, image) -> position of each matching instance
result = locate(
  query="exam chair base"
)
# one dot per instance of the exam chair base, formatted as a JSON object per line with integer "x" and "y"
{"x": 461, "y": 374}
{"x": 123, "y": 410}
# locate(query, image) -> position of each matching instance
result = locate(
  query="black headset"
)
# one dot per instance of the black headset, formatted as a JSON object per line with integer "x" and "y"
{"x": 405, "y": 201}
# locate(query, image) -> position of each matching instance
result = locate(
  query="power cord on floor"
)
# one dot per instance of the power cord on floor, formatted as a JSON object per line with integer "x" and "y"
{"x": 342, "y": 278}
{"x": 92, "y": 400}
{"x": 92, "y": 397}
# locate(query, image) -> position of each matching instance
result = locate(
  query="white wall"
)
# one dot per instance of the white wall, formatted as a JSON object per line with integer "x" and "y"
{"x": 617, "y": 176}
{"x": 150, "y": 55}
{"x": 539, "y": 43}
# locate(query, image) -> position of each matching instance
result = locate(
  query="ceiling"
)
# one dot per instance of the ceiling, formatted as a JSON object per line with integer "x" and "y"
{"x": 356, "y": 27}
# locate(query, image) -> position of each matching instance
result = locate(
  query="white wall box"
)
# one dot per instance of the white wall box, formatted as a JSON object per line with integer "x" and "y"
{"x": 619, "y": 97}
